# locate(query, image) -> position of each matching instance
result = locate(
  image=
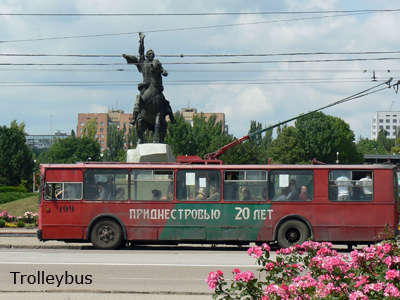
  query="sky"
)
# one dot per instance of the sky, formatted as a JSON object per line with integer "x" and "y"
{"x": 267, "y": 61}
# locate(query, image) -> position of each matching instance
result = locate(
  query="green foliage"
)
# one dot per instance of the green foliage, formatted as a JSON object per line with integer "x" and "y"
{"x": 115, "y": 142}
{"x": 12, "y": 196}
{"x": 2, "y": 223}
{"x": 284, "y": 148}
{"x": 7, "y": 189}
{"x": 16, "y": 158}
{"x": 316, "y": 136}
{"x": 367, "y": 146}
{"x": 20, "y": 224}
{"x": 71, "y": 150}
{"x": 90, "y": 129}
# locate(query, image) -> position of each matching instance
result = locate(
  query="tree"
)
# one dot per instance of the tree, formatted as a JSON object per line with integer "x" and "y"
{"x": 90, "y": 129}
{"x": 71, "y": 150}
{"x": 116, "y": 141}
{"x": 366, "y": 146}
{"x": 16, "y": 158}
{"x": 285, "y": 149}
{"x": 316, "y": 136}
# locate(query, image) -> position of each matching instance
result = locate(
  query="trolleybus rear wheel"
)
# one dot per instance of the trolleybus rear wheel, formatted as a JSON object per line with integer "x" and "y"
{"x": 292, "y": 232}
{"x": 106, "y": 235}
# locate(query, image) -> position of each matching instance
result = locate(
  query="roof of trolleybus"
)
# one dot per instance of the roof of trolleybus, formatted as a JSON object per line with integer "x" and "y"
{"x": 101, "y": 165}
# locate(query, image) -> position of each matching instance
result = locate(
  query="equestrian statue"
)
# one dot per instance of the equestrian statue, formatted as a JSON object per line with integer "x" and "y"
{"x": 151, "y": 107}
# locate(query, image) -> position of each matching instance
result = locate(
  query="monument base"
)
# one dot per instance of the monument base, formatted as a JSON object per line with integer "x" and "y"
{"x": 154, "y": 153}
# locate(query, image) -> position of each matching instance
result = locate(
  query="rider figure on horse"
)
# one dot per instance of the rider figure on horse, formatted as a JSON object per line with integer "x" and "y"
{"x": 152, "y": 72}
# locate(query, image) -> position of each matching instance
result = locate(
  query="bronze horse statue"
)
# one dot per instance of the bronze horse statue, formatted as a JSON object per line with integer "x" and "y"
{"x": 151, "y": 107}
{"x": 151, "y": 111}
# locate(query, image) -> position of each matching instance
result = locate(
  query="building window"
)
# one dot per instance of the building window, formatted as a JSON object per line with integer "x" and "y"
{"x": 101, "y": 123}
{"x": 102, "y": 136}
{"x": 387, "y": 127}
{"x": 380, "y": 127}
{"x": 387, "y": 121}
{"x": 102, "y": 148}
{"x": 101, "y": 142}
{"x": 394, "y": 127}
{"x": 95, "y": 136}
{"x": 101, "y": 129}
{"x": 82, "y": 123}
{"x": 394, "y": 120}
{"x": 373, "y": 120}
{"x": 380, "y": 120}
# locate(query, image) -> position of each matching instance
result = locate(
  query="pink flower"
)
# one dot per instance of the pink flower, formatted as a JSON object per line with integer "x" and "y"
{"x": 236, "y": 271}
{"x": 245, "y": 276}
{"x": 392, "y": 274}
{"x": 213, "y": 279}
{"x": 391, "y": 291}
{"x": 387, "y": 247}
{"x": 266, "y": 247}
{"x": 270, "y": 266}
{"x": 357, "y": 295}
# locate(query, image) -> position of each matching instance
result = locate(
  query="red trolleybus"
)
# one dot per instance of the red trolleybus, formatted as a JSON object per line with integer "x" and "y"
{"x": 196, "y": 201}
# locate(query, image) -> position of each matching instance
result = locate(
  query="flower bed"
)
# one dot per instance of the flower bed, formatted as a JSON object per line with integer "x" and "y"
{"x": 28, "y": 219}
{"x": 315, "y": 271}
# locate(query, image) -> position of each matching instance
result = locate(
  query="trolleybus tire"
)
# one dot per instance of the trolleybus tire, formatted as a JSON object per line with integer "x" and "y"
{"x": 291, "y": 233}
{"x": 106, "y": 235}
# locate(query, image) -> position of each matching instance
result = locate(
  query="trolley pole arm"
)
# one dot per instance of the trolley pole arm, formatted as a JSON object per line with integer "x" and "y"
{"x": 215, "y": 155}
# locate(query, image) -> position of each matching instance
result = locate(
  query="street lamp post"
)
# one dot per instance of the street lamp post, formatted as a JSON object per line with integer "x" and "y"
{"x": 337, "y": 158}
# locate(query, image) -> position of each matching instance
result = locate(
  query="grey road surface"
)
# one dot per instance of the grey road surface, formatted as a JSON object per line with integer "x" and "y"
{"x": 147, "y": 273}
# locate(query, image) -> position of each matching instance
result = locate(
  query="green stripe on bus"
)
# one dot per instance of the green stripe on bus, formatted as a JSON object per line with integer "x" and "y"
{"x": 214, "y": 221}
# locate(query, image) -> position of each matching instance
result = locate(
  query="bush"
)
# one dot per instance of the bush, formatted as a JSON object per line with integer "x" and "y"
{"x": 316, "y": 271}
{"x": 7, "y": 189}
{"x": 12, "y": 196}
{"x": 20, "y": 224}
{"x": 2, "y": 223}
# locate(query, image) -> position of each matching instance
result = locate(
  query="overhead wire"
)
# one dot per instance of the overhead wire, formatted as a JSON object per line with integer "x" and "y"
{"x": 193, "y": 14}
{"x": 185, "y": 28}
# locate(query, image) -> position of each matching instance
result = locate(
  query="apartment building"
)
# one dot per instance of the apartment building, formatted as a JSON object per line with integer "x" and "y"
{"x": 104, "y": 121}
{"x": 387, "y": 120}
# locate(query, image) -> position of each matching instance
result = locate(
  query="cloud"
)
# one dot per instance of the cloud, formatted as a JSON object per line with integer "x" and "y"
{"x": 265, "y": 92}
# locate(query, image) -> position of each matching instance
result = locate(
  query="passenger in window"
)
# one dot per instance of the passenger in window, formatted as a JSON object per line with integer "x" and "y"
{"x": 304, "y": 193}
{"x": 344, "y": 187}
{"x": 231, "y": 188}
{"x": 108, "y": 185}
{"x": 102, "y": 191}
{"x": 120, "y": 194}
{"x": 246, "y": 194}
{"x": 366, "y": 186}
{"x": 284, "y": 193}
{"x": 201, "y": 195}
{"x": 156, "y": 194}
{"x": 215, "y": 195}
{"x": 170, "y": 193}
{"x": 91, "y": 190}
{"x": 264, "y": 194}
{"x": 293, "y": 194}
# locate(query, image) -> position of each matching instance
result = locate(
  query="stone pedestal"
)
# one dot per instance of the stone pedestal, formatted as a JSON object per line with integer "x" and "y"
{"x": 154, "y": 153}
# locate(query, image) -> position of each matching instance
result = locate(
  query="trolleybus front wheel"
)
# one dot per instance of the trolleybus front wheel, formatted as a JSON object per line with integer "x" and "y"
{"x": 106, "y": 235}
{"x": 291, "y": 233}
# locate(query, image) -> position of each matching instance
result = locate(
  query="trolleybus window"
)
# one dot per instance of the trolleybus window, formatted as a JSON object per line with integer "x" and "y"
{"x": 152, "y": 185}
{"x": 199, "y": 185}
{"x": 351, "y": 185}
{"x": 63, "y": 191}
{"x": 247, "y": 185}
{"x": 110, "y": 184}
{"x": 291, "y": 185}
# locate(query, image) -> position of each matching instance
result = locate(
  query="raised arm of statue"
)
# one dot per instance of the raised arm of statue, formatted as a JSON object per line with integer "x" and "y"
{"x": 141, "y": 46}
